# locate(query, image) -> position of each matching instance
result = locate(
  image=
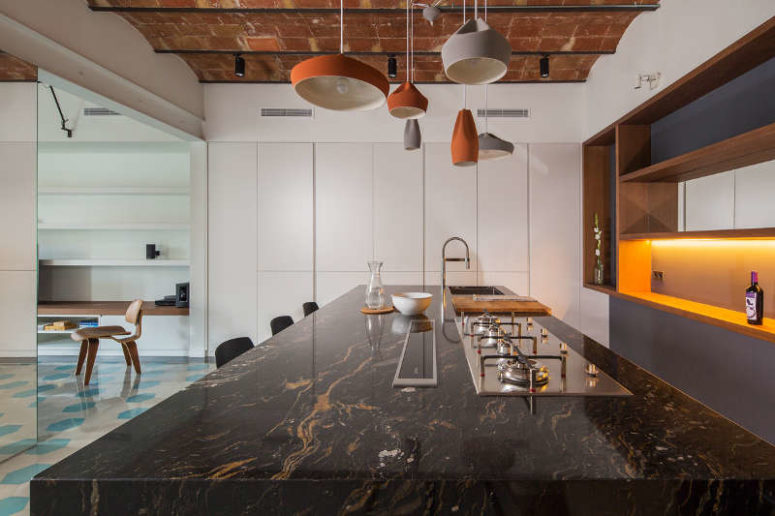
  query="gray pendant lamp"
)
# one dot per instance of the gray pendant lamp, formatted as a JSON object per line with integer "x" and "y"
{"x": 476, "y": 53}
{"x": 412, "y": 135}
{"x": 490, "y": 146}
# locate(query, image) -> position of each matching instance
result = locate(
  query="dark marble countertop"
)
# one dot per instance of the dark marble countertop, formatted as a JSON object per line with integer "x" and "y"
{"x": 311, "y": 417}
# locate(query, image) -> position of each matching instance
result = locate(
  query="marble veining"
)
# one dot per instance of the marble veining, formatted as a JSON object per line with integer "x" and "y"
{"x": 309, "y": 422}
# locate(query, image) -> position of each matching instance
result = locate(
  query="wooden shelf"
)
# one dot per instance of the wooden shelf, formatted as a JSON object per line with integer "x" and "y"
{"x": 739, "y": 151}
{"x": 94, "y": 308}
{"x": 722, "y": 317}
{"x": 118, "y": 226}
{"x": 115, "y": 263}
{"x": 605, "y": 289}
{"x": 714, "y": 234}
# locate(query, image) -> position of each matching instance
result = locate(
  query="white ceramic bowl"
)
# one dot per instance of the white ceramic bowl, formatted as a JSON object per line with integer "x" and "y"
{"x": 412, "y": 303}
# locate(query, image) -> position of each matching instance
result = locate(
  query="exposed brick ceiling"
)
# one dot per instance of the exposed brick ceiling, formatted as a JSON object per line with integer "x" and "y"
{"x": 13, "y": 69}
{"x": 274, "y": 35}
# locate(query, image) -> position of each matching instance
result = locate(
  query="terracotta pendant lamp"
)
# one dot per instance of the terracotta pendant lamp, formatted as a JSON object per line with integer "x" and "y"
{"x": 407, "y": 101}
{"x": 476, "y": 53}
{"x": 465, "y": 143}
{"x": 339, "y": 82}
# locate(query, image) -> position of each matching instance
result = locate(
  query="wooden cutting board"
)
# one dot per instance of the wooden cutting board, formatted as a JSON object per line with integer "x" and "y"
{"x": 468, "y": 305}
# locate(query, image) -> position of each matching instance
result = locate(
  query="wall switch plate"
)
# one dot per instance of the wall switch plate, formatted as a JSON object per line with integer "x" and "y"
{"x": 657, "y": 275}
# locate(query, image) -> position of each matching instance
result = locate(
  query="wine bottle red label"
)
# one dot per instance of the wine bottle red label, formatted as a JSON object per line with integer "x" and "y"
{"x": 750, "y": 306}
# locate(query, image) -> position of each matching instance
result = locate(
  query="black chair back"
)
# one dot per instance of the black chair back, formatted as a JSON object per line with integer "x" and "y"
{"x": 309, "y": 307}
{"x": 278, "y": 324}
{"x": 231, "y": 349}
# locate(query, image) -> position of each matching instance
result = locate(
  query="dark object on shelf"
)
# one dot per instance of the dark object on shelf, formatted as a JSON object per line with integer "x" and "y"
{"x": 167, "y": 301}
{"x": 309, "y": 307}
{"x": 231, "y": 349}
{"x": 151, "y": 252}
{"x": 181, "y": 295}
{"x": 754, "y": 300}
{"x": 278, "y": 324}
{"x": 392, "y": 67}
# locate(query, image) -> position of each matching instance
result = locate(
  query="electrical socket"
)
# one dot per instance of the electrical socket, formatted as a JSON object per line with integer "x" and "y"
{"x": 658, "y": 275}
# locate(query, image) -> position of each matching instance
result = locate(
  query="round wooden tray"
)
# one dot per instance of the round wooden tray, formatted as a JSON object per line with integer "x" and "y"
{"x": 369, "y": 311}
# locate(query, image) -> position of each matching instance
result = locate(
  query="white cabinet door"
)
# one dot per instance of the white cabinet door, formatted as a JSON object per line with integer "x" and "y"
{"x": 555, "y": 232}
{"x": 343, "y": 199}
{"x": 285, "y": 207}
{"x": 331, "y": 285}
{"x": 162, "y": 336}
{"x": 232, "y": 241}
{"x": 503, "y": 205}
{"x": 281, "y": 293}
{"x": 17, "y": 206}
{"x": 450, "y": 209}
{"x": 398, "y": 207}
{"x": 17, "y": 318}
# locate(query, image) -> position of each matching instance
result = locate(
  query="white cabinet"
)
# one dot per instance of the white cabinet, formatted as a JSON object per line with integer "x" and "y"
{"x": 450, "y": 210}
{"x": 232, "y": 241}
{"x": 285, "y": 207}
{"x": 555, "y": 231}
{"x": 398, "y": 207}
{"x": 330, "y": 285}
{"x": 281, "y": 293}
{"x": 17, "y": 317}
{"x": 17, "y": 206}
{"x": 502, "y": 207}
{"x": 343, "y": 206}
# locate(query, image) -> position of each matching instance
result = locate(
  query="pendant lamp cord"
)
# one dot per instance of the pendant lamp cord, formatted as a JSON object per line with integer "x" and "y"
{"x": 486, "y": 111}
{"x": 341, "y": 26}
{"x": 412, "y": 63}
{"x": 408, "y": 3}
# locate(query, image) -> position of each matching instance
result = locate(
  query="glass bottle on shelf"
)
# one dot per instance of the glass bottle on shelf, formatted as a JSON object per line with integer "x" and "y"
{"x": 375, "y": 293}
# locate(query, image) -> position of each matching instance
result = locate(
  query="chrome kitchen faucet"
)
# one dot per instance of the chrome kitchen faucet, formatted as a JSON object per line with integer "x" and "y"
{"x": 444, "y": 261}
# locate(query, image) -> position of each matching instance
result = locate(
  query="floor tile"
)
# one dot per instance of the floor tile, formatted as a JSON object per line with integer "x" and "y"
{"x": 12, "y": 505}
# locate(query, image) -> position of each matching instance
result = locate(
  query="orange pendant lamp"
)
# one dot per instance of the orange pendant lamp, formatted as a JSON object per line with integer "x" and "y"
{"x": 406, "y": 102}
{"x": 465, "y": 141}
{"x": 339, "y": 82}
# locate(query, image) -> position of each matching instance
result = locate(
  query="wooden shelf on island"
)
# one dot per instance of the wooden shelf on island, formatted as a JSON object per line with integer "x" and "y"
{"x": 717, "y": 316}
{"x": 739, "y": 151}
{"x": 712, "y": 234}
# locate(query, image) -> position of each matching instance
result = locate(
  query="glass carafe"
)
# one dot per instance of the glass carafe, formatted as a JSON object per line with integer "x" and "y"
{"x": 375, "y": 293}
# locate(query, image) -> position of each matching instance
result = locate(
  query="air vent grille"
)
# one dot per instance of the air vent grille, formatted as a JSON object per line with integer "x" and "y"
{"x": 99, "y": 111}
{"x": 287, "y": 112}
{"x": 503, "y": 113}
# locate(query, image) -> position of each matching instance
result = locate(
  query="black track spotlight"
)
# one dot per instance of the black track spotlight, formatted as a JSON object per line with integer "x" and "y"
{"x": 239, "y": 65}
{"x": 544, "y": 65}
{"x": 392, "y": 67}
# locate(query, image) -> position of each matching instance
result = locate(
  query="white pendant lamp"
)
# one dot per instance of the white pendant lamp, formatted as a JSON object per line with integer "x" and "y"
{"x": 412, "y": 135}
{"x": 490, "y": 146}
{"x": 339, "y": 82}
{"x": 406, "y": 101}
{"x": 476, "y": 53}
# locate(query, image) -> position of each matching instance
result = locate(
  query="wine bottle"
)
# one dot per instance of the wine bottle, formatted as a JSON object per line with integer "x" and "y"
{"x": 754, "y": 300}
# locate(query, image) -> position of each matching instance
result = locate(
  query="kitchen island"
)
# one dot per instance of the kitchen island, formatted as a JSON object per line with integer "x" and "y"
{"x": 309, "y": 423}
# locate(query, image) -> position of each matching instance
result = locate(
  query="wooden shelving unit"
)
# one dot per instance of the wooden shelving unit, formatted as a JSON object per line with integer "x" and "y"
{"x": 640, "y": 198}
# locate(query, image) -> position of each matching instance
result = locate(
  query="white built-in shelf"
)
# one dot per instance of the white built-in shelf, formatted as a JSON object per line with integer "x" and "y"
{"x": 115, "y": 263}
{"x": 132, "y": 226}
{"x": 112, "y": 190}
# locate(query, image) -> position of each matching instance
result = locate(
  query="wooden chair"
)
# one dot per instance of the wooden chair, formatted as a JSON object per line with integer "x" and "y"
{"x": 90, "y": 340}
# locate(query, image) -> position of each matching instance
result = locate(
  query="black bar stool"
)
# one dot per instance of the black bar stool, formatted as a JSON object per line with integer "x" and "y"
{"x": 278, "y": 324}
{"x": 309, "y": 307}
{"x": 231, "y": 349}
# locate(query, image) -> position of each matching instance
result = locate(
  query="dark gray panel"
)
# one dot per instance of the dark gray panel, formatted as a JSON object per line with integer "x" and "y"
{"x": 731, "y": 373}
{"x": 739, "y": 106}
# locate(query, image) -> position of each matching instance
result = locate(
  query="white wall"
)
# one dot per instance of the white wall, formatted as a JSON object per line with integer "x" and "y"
{"x": 673, "y": 40}
{"x": 18, "y": 261}
{"x": 331, "y": 193}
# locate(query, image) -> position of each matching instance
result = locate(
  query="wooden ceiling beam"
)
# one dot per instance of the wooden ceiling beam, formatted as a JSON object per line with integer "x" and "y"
{"x": 398, "y": 11}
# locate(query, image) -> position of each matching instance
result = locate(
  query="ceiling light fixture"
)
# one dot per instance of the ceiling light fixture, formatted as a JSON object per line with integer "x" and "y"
{"x": 465, "y": 143}
{"x": 392, "y": 67}
{"x": 544, "y": 67}
{"x": 407, "y": 101}
{"x": 239, "y": 65}
{"x": 339, "y": 82}
{"x": 412, "y": 135}
{"x": 490, "y": 146}
{"x": 431, "y": 12}
{"x": 476, "y": 53}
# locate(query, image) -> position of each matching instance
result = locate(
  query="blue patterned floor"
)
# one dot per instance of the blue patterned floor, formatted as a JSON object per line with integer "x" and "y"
{"x": 70, "y": 414}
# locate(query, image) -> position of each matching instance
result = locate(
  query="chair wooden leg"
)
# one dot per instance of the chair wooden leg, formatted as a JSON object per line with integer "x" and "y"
{"x": 81, "y": 357}
{"x": 92, "y": 356}
{"x": 132, "y": 345}
{"x": 127, "y": 358}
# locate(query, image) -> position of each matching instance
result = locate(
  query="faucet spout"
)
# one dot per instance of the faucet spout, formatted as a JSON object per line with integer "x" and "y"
{"x": 444, "y": 261}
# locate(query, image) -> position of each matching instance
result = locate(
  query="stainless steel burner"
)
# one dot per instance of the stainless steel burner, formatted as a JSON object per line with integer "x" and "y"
{"x": 518, "y": 373}
{"x": 492, "y": 336}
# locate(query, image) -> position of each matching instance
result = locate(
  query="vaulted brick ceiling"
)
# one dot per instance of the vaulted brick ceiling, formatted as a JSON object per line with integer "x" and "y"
{"x": 274, "y": 35}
